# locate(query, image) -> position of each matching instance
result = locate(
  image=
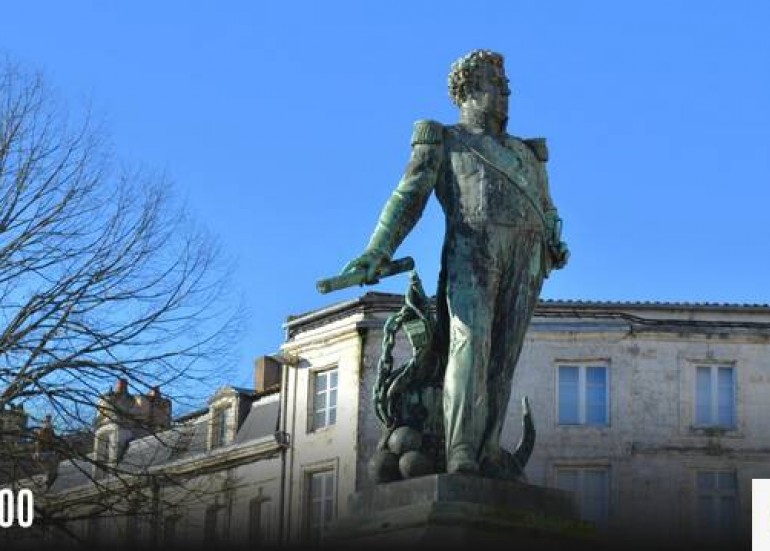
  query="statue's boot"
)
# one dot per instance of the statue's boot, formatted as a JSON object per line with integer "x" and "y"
{"x": 462, "y": 460}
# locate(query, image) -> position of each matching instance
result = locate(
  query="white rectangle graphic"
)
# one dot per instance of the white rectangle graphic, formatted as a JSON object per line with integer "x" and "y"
{"x": 760, "y": 514}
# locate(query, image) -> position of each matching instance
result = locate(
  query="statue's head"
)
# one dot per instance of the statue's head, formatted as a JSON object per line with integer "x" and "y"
{"x": 479, "y": 77}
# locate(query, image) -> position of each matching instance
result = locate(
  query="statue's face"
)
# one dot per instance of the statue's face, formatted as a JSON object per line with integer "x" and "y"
{"x": 493, "y": 92}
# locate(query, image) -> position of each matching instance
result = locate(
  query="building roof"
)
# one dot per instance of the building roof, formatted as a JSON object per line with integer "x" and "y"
{"x": 545, "y": 303}
{"x": 184, "y": 440}
{"x": 712, "y": 312}
{"x": 261, "y": 421}
{"x": 72, "y": 473}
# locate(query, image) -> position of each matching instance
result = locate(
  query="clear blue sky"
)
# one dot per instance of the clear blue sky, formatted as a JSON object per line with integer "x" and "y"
{"x": 286, "y": 126}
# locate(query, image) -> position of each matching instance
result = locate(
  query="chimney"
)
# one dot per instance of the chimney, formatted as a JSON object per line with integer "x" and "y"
{"x": 13, "y": 423}
{"x": 115, "y": 405}
{"x": 267, "y": 374}
{"x": 45, "y": 451}
{"x": 45, "y": 437}
{"x": 159, "y": 414}
{"x": 121, "y": 387}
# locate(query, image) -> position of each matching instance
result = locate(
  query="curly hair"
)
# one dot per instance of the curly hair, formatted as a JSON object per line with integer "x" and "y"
{"x": 464, "y": 76}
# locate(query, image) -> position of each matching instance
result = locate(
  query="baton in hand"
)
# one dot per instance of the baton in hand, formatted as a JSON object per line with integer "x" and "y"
{"x": 358, "y": 277}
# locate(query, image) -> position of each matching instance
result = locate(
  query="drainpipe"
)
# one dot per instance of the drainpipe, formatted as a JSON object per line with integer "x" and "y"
{"x": 363, "y": 333}
{"x": 291, "y": 461}
{"x": 284, "y": 451}
{"x": 284, "y": 439}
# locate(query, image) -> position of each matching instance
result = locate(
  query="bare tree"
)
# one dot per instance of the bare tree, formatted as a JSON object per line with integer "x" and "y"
{"x": 102, "y": 277}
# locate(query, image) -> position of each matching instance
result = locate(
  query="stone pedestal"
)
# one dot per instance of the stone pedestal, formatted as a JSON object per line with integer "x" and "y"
{"x": 455, "y": 510}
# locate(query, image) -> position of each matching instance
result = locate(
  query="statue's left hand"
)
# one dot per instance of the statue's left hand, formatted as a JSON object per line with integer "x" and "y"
{"x": 559, "y": 255}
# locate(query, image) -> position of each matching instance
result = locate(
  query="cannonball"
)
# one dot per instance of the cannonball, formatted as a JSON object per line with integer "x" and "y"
{"x": 383, "y": 467}
{"x": 404, "y": 439}
{"x": 415, "y": 463}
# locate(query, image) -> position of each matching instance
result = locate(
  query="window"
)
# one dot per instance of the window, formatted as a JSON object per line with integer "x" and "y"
{"x": 320, "y": 502}
{"x": 130, "y": 527}
{"x": 170, "y": 524}
{"x": 145, "y": 527}
{"x": 257, "y": 518}
{"x": 138, "y": 526}
{"x": 325, "y": 399}
{"x": 583, "y": 398}
{"x": 715, "y": 396}
{"x": 93, "y": 528}
{"x": 717, "y": 513}
{"x": 220, "y": 421}
{"x": 591, "y": 487}
{"x": 210, "y": 528}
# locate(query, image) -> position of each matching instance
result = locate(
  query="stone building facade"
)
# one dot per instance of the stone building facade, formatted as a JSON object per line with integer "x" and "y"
{"x": 656, "y": 415}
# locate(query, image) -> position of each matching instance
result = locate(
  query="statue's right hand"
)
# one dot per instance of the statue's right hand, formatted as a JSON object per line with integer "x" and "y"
{"x": 370, "y": 262}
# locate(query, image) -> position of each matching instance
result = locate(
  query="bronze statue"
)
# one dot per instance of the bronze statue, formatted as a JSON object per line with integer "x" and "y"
{"x": 502, "y": 239}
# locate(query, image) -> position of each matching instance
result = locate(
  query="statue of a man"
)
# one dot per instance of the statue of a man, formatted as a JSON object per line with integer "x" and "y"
{"x": 502, "y": 239}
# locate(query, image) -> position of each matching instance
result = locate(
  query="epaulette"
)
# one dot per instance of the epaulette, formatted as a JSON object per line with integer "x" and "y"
{"x": 427, "y": 132}
{"x": 538, "y": 147}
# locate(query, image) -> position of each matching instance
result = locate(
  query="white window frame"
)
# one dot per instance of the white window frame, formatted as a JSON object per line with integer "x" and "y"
{"x": 220, "y": 433}
{"x": 708, "y": 528}
{"x": 582, "y": 391}
{"x": 328, "y": 502}
{"x": 139, "y": 523}
{"x": 714, "y": 422}
{"x": 212, "y": 531}
{"x": 329, "y": 411}
{"x": 94, "y": 528}
{"x": 258, "y": 525}
{"x": 580, "y": 492}
{"x": 170, "y": 529}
